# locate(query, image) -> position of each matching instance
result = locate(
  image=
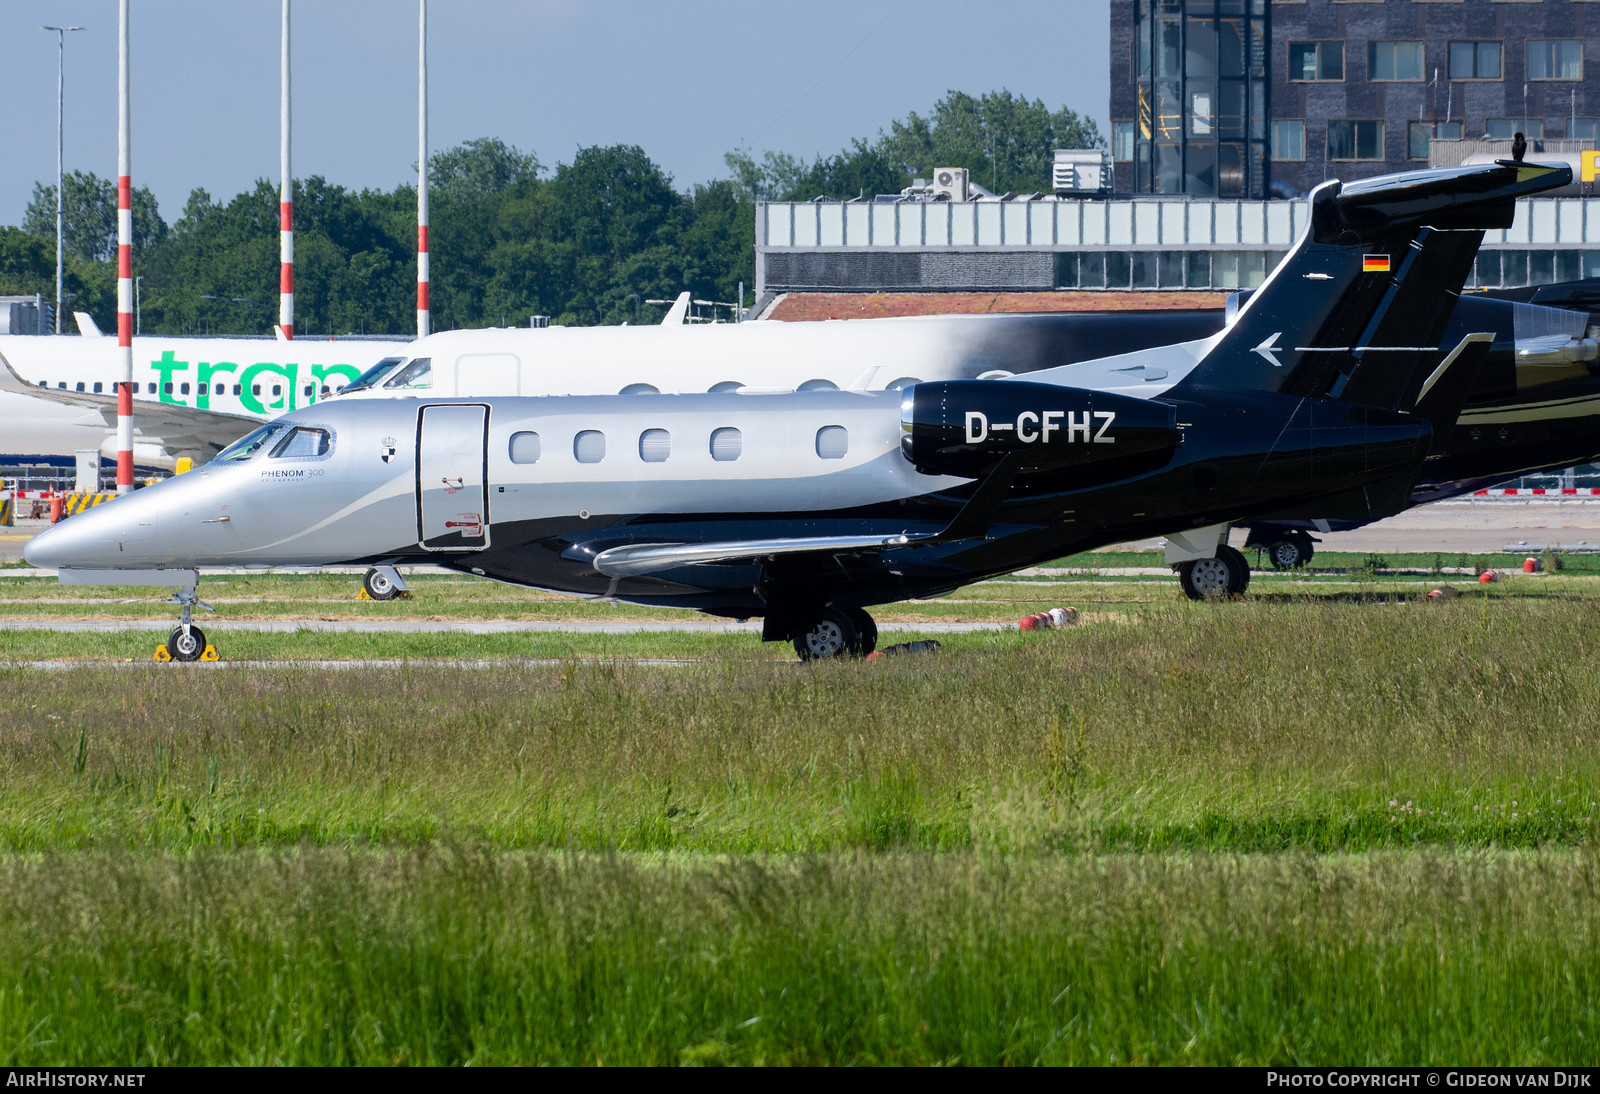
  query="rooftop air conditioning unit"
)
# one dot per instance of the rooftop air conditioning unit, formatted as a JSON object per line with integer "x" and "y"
{"x": 949, "y": 184}
{"x": 1082, "y": 172}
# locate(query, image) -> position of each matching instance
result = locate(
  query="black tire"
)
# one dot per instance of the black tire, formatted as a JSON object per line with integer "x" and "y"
{"x": 186, "y": 646}
{"x": 1205, "y": 578}
{"x": 378, "y": 585}
{"x": 1238, "y": 569}
{"x": 834, "y": 635}
{"x": 1307, "y": 551}
{"x": 864, "y": 624}
{"x": 1288, "y": 553}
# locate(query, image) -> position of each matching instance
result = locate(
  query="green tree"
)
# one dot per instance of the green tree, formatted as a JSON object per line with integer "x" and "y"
{"x": 89, "y": 216}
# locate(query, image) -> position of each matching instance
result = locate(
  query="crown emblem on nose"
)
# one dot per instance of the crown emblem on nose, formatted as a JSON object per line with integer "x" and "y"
{"x": 388, "y": 448}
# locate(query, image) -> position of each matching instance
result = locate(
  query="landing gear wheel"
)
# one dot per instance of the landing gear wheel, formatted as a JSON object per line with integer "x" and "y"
{"x": 378, "y": 585}
{"x": 1238, "y": 569}
{"x": 868, "y": 629}
{"x": 1203, "y": 578}
{"x": 186, "y": 645}
{"x": 834, "y": 635}
{"x": 1289, "y": 553}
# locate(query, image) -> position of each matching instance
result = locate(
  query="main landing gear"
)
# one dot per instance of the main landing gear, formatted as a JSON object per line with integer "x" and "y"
{"x": 187, "y": 642}
{"x": 840, "y": 632}
{"x": 1226, "y": 575}
{"x": 383, "y": 583}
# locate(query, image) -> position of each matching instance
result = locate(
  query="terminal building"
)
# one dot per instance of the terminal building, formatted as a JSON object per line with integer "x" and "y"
{"x": 1224, "y": 114}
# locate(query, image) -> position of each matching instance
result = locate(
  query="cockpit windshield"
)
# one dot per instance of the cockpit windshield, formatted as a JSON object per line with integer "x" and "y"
{"x": 419, "y": 373}
{"x": 248, "y": 445}
{"x": 369, "y": 379}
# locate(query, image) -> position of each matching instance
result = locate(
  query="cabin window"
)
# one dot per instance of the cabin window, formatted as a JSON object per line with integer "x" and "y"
{"x": 277, "y": 389}
{"x": 249, "y": 444}
{"x": 903, "y": 382}
{"x": 309, "y": 389}
{"x": 524, "y": 447}
{"x": 167, "y": 387}
{"x": 152, "y": 389}
{"x": 726, "y": 444}
{"x": 80, "y": 385}
{"x": 221, "y": 389}
{"x": 655, "y": 445}
{"x": 304, "y": 442}
{"x": 589, "y": 446}
{"x": 640, "y": 389}
{"x": 419, "y": 373}
{"x": 46, "y": 383}
{"x": 62, "y": 385}
{"x": 98, "y": 387}
{"x": 238, "y": 389}
{"x": 833, "y": 441}
{"x": 818, "y": 385}
{"x": 725, "y": 387}
{"x": 183, "y": 388}
{"x": 255, "y": 389}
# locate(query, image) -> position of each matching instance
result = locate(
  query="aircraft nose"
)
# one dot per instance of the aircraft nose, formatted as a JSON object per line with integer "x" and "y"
{"x": 108, "y": 536}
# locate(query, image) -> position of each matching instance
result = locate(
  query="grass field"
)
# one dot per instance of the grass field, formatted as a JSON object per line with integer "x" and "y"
{"x": 1332, "y": 825}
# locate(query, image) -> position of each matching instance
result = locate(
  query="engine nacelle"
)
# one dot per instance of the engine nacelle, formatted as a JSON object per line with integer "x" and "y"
{"x": 966, "y": 427}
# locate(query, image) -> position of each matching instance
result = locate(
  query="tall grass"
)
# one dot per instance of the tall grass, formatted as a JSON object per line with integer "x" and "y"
{"x": 465, "y": 955}
{"x": 1245, "y": 727}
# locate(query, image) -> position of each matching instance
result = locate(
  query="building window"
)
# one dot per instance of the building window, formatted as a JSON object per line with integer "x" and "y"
{"x": 1289, "y": 139}
{"x": 1583, "y": 129}
{"x": 833, "y": 441}
{"x": 1394, "y": 60}
{"x": 1504, "y": 129}
{"x": 1122, "y": 140}
{"x": 524, "y": 448}
{"x": 589, "y": 446}
{"x": 1419, "y": 134}
{"x": 655, "y": 445}
{"x": 1316, "y": 60}
{"x": 1475, "y": 61}
{"x": 726, "y": 444}
{"x": 1555, "y": 59}
{"x": 1355, "y": 140}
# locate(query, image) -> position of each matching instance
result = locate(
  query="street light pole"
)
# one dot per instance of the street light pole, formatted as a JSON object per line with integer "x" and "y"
{"x": 61, "y": 68}
{"x": 138, "y": 313}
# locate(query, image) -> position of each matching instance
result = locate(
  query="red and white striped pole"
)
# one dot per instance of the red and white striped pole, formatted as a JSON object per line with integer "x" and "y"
{"x": 285, "y": 201}
{"x": 124, "y": 259}
{"x": 422, "y": 170}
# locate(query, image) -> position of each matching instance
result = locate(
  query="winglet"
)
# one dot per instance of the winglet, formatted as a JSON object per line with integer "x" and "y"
{"x": 678, "y": 314}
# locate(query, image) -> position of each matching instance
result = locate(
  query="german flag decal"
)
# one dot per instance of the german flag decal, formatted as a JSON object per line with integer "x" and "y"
{"x": 1374, "y": 263}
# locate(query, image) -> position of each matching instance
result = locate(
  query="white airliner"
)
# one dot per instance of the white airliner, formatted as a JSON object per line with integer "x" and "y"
{"x": 196, "y": 395}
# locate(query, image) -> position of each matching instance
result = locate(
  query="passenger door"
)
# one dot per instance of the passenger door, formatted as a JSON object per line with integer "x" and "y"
{"x": 452, "y": 477}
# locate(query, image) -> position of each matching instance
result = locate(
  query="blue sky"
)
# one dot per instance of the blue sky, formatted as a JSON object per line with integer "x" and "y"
{"x": 687, "y": 81}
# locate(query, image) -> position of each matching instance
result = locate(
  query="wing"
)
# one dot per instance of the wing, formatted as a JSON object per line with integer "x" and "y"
{"x": 972, "y": 521}
{"x": 178, "y": 427}
{"x": 648, "y": 558}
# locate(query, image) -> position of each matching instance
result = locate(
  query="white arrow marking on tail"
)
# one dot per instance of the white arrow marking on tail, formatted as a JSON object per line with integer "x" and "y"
{"x": 1270, "y": 349}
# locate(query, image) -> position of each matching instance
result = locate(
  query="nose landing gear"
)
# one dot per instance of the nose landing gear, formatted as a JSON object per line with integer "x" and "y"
{"x": 187, "y": 642}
